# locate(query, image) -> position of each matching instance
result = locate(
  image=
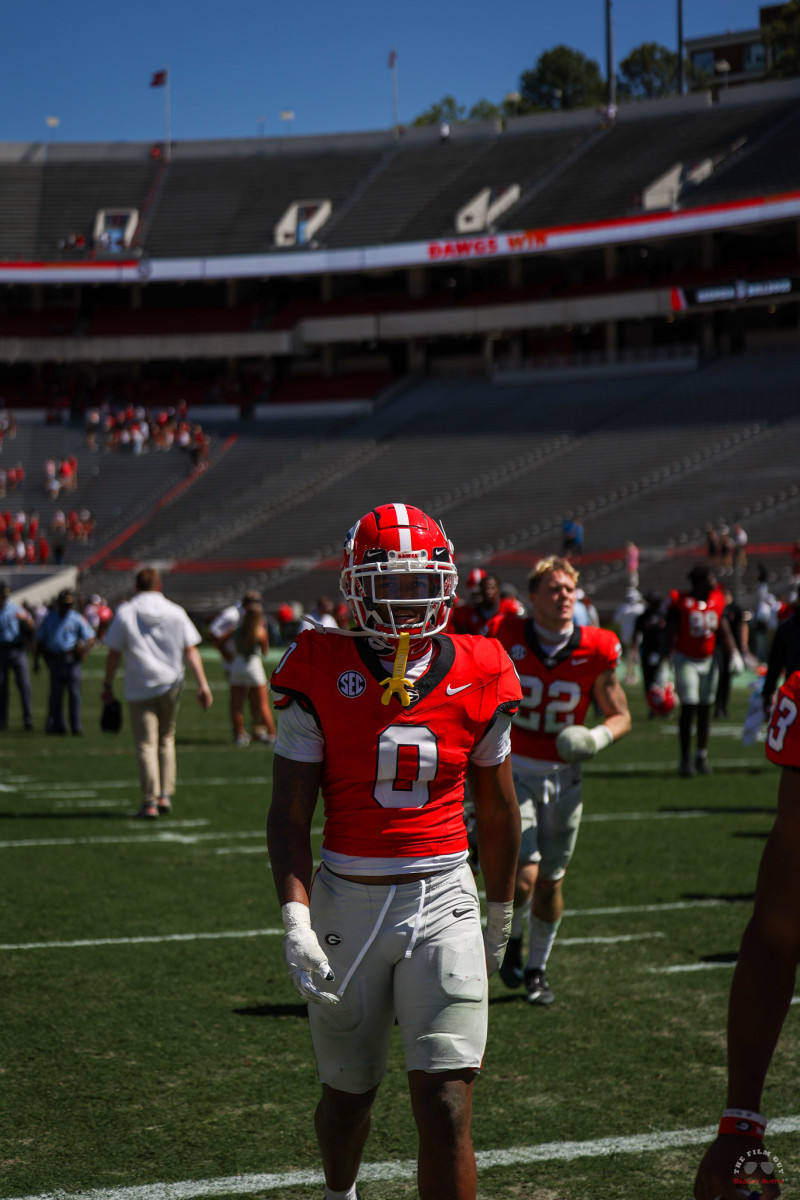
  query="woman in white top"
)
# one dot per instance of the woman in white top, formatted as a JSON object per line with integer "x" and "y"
{"x": 248, "y": 678}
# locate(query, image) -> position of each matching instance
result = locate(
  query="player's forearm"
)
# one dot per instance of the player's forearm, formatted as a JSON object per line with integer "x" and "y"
{"x": 759, "y": 1001}
{"x": 294, "y": 798}
{"x": 498, "y": 826}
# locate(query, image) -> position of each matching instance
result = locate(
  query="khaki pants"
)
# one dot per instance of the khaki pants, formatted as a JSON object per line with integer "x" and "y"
{"x": 153, "y": 723}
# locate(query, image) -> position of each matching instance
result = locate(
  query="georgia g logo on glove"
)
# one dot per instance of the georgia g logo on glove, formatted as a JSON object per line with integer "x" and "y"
{"x": 303, "y": 955}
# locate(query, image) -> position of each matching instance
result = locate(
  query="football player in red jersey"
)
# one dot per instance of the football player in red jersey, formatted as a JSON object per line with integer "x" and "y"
{"x": 764, "y": 978}
{"x": 475, "y": 618}
{"x": 694, "y": 623}
{"x": 389, "y": 721}
{"x": 562, "y": 668}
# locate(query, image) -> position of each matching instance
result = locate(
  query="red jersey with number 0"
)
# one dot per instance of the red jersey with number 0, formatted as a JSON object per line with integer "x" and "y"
{"x": 698, "y": 622}
{"x": 556, "y": 689}
{"x": 393, "y": 777}
{"x": 783, "y": 732}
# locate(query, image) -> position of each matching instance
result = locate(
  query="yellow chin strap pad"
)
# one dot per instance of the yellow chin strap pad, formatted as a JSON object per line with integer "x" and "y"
{"x": 395, "y": 683}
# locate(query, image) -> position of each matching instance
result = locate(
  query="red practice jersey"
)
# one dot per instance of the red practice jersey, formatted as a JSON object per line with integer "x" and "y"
{"x": 783, "y": 733}
{"x": 556, "y": 689}
{"x": 698, "y": 622}
{"x": 393, "y": 777}
{"x": 471, "y": 618}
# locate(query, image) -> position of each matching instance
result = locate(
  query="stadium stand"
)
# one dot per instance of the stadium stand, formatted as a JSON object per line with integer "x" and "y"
{"x": 426, "y": 378}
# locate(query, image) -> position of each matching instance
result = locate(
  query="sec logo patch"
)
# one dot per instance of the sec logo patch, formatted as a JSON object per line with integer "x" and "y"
{"x": 351, "y": 684}
{"x": 518, "y": 652}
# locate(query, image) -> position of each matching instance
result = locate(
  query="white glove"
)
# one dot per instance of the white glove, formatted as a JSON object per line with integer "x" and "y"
{"x": 576, "y": 743}
{"x": 735, "y": 663}
{"x": 496, "y": 932}
{"x": 303, "y": 954}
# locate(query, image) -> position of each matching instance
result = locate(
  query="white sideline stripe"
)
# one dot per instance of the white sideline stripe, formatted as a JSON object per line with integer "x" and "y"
{"x": 670, "y": 767}
{"x": 607, "y": 941}
{"x": 642, "y": 908}
{"x": 134, "y": 941}
{"x": 647, "y": 816}
{"x": 245, "y": 1185}
{"x": 684, "y": 968}
{"x": 163, "y": 835}
{"x": 23, "y": 785}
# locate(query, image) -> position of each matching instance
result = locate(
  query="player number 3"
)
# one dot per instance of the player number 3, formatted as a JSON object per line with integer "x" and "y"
{"x": 784, "y": 716}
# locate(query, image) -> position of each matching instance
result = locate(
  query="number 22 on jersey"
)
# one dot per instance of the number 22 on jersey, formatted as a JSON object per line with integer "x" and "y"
{"x": 547, "y": 711}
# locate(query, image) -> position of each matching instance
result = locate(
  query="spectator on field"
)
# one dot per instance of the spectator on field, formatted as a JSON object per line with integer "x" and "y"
{"x": 248, "y": 677}
{"x": 156, "y": 638}
{"x": 585, "y": 612}
{"x": 322, "y": 614}
{"x": 15, "y": 622}
{"x": 734, "y": 615}
{"x": 632, "y": 563}
{"x": 649, "y": 633}
{"x": 64, "y": 638}
{"x": 221, "y": 633}
{"x": 765, "y": 616}
{"x": 475, "y": 618}
{"x": 625, "y": 619}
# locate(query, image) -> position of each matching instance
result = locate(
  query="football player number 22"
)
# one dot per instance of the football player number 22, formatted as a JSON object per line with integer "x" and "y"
{"x": 785, "y": 715}
{"x": 547, "y": 711}
{"x": 408, "y": 759}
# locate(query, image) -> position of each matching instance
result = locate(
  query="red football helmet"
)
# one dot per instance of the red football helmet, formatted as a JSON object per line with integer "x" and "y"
{"x": 661, "y": 698}
{"x": 398, "y": 574}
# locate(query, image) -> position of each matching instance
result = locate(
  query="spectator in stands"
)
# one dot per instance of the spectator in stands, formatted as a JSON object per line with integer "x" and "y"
{"x": 65, "y": 637}
{"x": 248, "y": 677}
{"x": 157, "y": 639}
{"x": 15, "y": 622}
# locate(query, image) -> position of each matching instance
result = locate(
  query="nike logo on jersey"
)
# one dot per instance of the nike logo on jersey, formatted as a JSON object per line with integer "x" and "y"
{"x": 451, "y": 691}
{"x": 462, "y": 912}
{"x": 578, "y": 662}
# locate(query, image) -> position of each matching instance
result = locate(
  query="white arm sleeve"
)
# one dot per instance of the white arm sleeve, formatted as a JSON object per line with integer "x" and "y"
{"x": 299, "y": 736}
{"x": 495, "y": 745}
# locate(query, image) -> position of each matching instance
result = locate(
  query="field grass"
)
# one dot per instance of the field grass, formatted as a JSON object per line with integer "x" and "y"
{"x": 148, "y": 1034}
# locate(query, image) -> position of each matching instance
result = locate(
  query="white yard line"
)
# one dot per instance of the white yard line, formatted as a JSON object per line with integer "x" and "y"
{"x": 245, "y": 1185}
{"x": 154, "y": 939}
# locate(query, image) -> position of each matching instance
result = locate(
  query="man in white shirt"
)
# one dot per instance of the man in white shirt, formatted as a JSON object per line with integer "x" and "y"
{"x": 157, "y": 639}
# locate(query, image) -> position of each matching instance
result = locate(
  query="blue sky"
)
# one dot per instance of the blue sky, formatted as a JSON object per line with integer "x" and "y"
{"x": 235, "y": 66}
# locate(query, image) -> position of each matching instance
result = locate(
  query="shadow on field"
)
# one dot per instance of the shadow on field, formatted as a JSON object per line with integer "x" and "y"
{"x": 758, "y": 810}
{"x": 728, "y": 897}
{"x": 96, "y": 815}
{"x": 274, "y": 1010}
{"x": 725, "y": 956}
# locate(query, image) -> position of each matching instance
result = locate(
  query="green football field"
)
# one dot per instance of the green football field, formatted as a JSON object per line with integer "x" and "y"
{"x": 152, "y": 1048}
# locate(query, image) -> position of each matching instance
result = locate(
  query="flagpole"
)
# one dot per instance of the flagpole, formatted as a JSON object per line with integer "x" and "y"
{"x": 167, "y": 142}
{"x": 395, "y": 106}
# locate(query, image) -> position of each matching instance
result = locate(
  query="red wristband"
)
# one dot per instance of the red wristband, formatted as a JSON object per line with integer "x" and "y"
{"x": 743, "y": 1123}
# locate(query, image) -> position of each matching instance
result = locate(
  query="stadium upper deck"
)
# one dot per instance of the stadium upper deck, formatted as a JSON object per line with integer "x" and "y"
{"x": 564, "y": 233}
